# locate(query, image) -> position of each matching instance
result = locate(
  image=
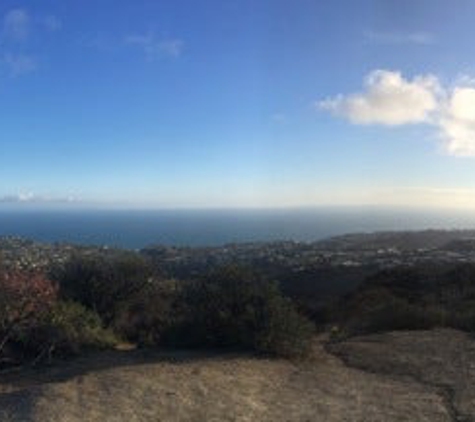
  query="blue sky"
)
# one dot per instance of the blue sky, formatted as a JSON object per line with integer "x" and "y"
{"x": 166, "y": 103}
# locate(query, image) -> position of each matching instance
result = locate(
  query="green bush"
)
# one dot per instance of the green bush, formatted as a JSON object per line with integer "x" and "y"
{"x": 234, "y": 308}
{"x": 103, "y": 283}
{"x": 147, "y": 316}
{"x": 378, "y": 309}
{"x": 69, "y": 329}
{"x": 398, "y": 314}
{"x": 417, "y": 298}
{"x": 283, "y": 331}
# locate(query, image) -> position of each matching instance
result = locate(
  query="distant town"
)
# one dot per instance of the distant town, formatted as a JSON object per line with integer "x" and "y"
{"x": 378, "y": 250}
{"x": 24, "y": 254}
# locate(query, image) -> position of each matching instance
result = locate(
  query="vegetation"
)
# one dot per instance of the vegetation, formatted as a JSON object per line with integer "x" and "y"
{"x": 411, "y": 298}
{"x": 68, "y": 329}
{"x": 94, "y": 302}
{"x": 233, "y": 307}
{"x": 103, "y": 283}
{"x": 25, "y": 299}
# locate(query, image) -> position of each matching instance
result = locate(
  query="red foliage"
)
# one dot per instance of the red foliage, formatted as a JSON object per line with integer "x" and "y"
{"x": 24, "y": 297}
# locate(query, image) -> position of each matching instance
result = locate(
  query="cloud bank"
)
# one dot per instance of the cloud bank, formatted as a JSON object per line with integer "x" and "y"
{"x": 392, "y": 100}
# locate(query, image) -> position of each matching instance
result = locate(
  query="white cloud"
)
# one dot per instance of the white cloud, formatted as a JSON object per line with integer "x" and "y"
{"x": 18, "y": 198}
{"x": 457, "y": 122}
{"x": 389, "y": 99}
{"x": 398, "y": 38}
{"x": 30, "y": 197}
{"x": 51, "y": 23}
{"x": 16, "y": 25}
{"x": 155, "y": 48}
{"x": 19, "y": 64}
{"x": 170, "y": 47}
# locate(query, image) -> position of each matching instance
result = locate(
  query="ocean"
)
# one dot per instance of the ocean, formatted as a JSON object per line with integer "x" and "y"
{"x": 137, "y": 229}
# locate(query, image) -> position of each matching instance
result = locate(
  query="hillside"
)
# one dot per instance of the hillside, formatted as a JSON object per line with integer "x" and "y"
{"x": 385, "y": 377}
{"x": 402, "y": 240}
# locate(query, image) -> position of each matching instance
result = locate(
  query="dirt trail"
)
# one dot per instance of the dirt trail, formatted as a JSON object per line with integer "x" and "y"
{"x": 140, "y": 386}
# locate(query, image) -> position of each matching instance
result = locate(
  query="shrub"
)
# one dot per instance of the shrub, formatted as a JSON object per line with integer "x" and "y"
{"x": 417, "y": 298}
{"x": 68, "y": 329}
{"x": 377, "y": 309}
{"x": 148, "y": 315}
{"x": 463, "y": 317}
{"x": 234, "y": 308}
{"x": 283, "y": 331}
{"x": 398, "y": 314}
{"x": 103, "y": 283}
{"x": 24, "y": 300}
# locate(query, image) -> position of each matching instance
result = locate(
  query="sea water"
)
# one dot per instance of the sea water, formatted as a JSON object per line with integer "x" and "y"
{"x": 138, "y": 228}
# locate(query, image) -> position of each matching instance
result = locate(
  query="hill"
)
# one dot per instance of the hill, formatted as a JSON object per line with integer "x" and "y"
{"x": 402, "y": 240}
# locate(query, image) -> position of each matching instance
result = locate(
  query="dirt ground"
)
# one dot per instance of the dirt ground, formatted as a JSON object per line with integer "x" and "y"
{"x": 406, "y": 376}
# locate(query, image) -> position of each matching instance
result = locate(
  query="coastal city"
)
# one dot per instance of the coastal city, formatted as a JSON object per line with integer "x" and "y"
{"x": 378, "y": 250}
{"x": 21, "y": 254}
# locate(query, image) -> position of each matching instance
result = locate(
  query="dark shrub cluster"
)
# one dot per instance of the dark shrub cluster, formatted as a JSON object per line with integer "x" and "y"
{"x": 230, "y": 308}
{"x": 146, "y": 317}
{"x": 92, "y": 301}
{"x": 103, "y": 283}
{"x": 411, "y": 298}
{"x": 234, "y": 308}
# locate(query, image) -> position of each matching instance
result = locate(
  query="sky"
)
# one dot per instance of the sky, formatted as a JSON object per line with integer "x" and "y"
{"x": 244, "y": 103}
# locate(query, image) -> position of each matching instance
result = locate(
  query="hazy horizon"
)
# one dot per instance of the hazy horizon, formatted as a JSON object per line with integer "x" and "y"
{"x": 83, "y": 206}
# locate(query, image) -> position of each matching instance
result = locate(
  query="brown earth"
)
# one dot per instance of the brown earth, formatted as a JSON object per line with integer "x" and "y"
{"x": 404, "y": 376}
